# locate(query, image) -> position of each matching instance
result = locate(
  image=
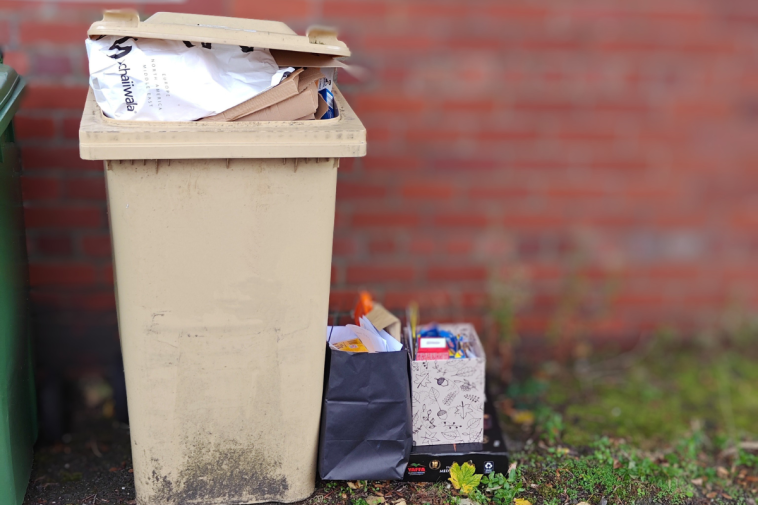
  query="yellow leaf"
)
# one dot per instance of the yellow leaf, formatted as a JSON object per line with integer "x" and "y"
{"x": 521, "y": 501}
{"x": 523, "y": 417}
{"x": 463, "y": 477}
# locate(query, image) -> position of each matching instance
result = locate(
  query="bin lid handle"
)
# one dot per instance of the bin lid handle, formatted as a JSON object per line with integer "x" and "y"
{"x": 121, "y": 17}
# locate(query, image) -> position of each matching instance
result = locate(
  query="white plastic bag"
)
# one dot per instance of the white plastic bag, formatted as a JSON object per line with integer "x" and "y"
{"x": 170, "y": 80}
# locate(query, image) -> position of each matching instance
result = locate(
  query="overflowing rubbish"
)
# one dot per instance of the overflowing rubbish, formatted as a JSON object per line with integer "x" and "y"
{"x": 169, "y": 80}
{"x": 143, "y": 79}
{"x": 449, "y": 419}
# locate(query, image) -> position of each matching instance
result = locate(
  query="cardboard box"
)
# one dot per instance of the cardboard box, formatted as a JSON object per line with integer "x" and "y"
{"x": 295, "y": 84}
{"x": 448, "y": 396}
{"x": 301, "y": 105}
{"x": 431, "y": 463}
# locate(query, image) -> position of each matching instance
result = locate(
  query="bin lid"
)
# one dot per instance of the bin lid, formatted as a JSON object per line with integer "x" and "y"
{"x": 102, "y": 138}
{"x": 11, "y": 87}
{"x": 218, "y": 30}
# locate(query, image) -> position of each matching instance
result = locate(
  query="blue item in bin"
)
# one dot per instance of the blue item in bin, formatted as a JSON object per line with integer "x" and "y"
{"x": 329, "y": 99}
{"x": 453, "y": 341}
{"x": 325, "y": 91}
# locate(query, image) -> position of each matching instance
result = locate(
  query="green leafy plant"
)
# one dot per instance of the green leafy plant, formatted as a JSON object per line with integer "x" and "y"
{"x": 503, "y": 489}
{"x": 464, "y": 477}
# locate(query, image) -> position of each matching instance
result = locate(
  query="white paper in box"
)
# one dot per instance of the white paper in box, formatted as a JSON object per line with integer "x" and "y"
{"x": 448, "y": 395}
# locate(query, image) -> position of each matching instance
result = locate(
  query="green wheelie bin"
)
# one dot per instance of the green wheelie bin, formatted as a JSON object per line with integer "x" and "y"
{"x": 18, "y": 419}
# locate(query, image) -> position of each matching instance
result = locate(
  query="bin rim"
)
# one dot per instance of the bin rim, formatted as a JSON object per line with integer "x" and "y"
{"x": 218, "y": 30}
{"x": 102, "y": 138}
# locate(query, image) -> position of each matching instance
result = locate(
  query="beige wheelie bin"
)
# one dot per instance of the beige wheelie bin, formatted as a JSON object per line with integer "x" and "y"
{"x": 222, "y": 241}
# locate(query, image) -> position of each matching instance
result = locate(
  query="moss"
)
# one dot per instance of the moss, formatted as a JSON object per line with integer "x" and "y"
{"x": 658, "y": 398}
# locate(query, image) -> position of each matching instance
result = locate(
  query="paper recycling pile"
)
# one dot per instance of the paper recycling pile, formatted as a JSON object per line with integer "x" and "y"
{"x": 169, "y": 80}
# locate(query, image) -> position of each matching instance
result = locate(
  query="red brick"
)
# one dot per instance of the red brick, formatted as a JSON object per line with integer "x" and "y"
{"x": 98, "y": 246}
{"x": 102, "y": 300}
{"x": 19, "y": 60}
{"x": 51, "y": 65}
{"x": 61, "y": 274}
{"x": 343, "y": 246}
{"x": 39, "y": 96}
{"x": 388, "y": 104}
{"x": 673, "y": 271}
{"x": 348, "y": 190}
{"x": 281, "y": 10}
{"x": 53, "y": 245}
{"x": 427, "y": 191}
{"x": 433, "y": 136}
{"x": 33, "y": 128}
{"x": 460, "y": 246}
{"x": 355, "y": 9}
{"x": 33, "y": 32}
{"x": 39, "y": 158}
{"x": 422, "y": 245}
{"x": 358, "y": 274}
{"x": 580, "y": 192}
{"x": 534, "y": 222}
{"x": 464, "y": 165}
{"x": 532, "y": 324}
{"x": 391, "y": 164}
{"x": 505, "y": 135}
{"x": 382, "y": 246}
{"x": 465, "y": 220}
{"x": 426, "y": 299}
{"x": 475, "y": 43}
{"x": 346, "y": 165}
{"x": 476, "y": 299}
{"x": 105, "y": 301}
{"x": 453, "y": 273}
{"x": 64, "y": 217}
{"x": 71, "y": 127}
{"x": 512, "y": 12}
{"x": 638, "y": 299}
{"x": 106, "y": 275}
{"x": 90, "y": 188}
{"x": 385, "y": 219}
{"x": 40, "y": 188}
{"x": 4, "y": 32}
{"x": 342, "y": 300}
{"x": 498, "y": 193}
{"x": 481, "y": 106}
{"x": 587, "y": 135}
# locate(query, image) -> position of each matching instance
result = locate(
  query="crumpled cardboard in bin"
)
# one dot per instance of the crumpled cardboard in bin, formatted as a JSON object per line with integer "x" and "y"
{"x": 300, "y": 105}
{"x": 286, "y": 96}
{"x": 366, "y": 416}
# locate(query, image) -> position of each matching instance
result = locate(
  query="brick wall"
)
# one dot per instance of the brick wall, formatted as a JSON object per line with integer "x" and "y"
{"x": 593, "y": 162}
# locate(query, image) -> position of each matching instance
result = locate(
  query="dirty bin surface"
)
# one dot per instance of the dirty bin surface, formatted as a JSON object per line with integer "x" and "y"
{"x": 222, "y": 236}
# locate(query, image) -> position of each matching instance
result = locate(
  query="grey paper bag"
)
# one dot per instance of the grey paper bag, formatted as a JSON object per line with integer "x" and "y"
{"x": 366, "y": 427}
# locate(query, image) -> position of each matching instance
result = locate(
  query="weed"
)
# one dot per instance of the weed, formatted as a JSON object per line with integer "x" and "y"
{"x": 503, "y": 489}
{"x": 746, "y": 459}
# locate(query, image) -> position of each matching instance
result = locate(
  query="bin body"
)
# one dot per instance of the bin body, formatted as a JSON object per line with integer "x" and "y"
{"x": 222, "y": 241}
{"x": 18, "y": 424}
{"x": 223, "y": 284}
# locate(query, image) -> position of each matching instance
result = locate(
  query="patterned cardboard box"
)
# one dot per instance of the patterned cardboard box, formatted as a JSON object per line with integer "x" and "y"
{"x": 448, "y": 395}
